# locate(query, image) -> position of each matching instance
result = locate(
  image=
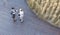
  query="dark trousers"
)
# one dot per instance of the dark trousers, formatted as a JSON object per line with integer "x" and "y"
{"x": 13, "y": 15}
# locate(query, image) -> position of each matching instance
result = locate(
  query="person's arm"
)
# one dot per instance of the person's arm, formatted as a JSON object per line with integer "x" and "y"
{"x": 11, "y": 11}
{"x": 23, "y": 13}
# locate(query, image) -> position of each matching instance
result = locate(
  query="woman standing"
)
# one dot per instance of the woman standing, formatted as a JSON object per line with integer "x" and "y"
{"x": 21, "y": 15}
{"x": 13, "y": 13}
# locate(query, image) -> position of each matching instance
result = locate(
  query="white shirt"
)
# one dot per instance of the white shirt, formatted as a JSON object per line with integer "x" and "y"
{"x": 21, "y": 13}
{"x": 13, "y": 11}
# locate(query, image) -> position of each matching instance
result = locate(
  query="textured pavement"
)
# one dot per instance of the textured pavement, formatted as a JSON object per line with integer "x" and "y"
{"x": 31, "y": 26}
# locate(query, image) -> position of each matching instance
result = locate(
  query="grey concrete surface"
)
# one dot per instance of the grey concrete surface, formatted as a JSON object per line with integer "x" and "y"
{"x": 31, "y": 26}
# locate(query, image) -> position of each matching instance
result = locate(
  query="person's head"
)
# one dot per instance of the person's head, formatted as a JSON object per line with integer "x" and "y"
{"x": 12, "y": 8}
{"x": 20, "y": 9}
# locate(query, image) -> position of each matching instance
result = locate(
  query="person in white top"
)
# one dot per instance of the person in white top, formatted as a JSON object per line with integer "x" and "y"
{"x": 13, "y": 13}
{"x": 21, "y": 15}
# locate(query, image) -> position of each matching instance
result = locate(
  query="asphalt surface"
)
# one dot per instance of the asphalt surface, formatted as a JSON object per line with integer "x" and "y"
{"x": 31, "y": 25}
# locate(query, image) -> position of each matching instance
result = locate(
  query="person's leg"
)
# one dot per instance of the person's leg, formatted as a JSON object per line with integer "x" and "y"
{"x": 14, "y": 17}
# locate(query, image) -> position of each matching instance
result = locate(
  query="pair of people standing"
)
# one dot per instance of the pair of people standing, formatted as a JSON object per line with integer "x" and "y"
{"x": 20, "y": 14}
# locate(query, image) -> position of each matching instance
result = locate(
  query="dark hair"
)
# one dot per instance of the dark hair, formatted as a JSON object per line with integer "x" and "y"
{"x": 21, "y": 10}
{"x": 12, "y": 8}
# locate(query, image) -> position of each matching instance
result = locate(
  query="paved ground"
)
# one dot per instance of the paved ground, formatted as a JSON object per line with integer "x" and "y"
{"x": 31, "y": 26}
